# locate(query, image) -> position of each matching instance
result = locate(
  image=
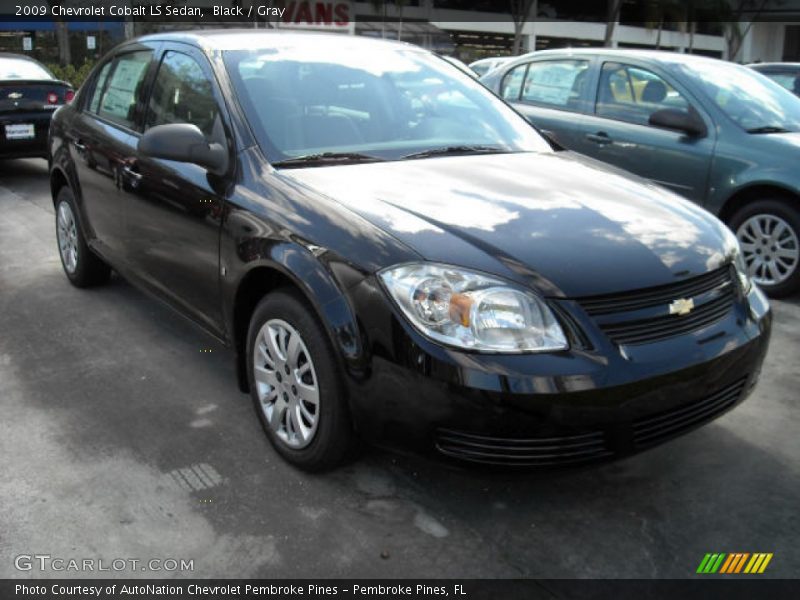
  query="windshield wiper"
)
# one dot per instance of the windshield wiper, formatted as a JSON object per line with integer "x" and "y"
{"x": 455, "y": 150}
{"x": 327, "y": 158}
{"x": 768, "y": 129}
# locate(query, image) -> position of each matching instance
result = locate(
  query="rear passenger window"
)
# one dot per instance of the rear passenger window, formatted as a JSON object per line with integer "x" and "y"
{"x": 512, "y": 83}
{"x": 99, "y": 84}
{"x": 556, "y": 83}
{"x": 118, "y": 103}
{"x": 183, "y": 94}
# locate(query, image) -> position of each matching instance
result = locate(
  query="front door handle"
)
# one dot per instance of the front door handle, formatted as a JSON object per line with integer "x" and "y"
{"x": 79, "y": 146}
{"x": 601, "y": 138}
{"x": 131, "y": 174}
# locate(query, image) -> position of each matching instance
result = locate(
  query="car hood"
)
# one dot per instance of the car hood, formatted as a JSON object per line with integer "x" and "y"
{"x": 563, "y": 223}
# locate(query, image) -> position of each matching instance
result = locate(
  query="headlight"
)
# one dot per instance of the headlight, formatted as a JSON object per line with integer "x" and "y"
{"x": 741, "y": 271}
{"x": 470, "y": 310}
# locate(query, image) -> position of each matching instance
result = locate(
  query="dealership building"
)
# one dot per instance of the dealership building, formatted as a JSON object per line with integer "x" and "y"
{"x": 468, "y": 29}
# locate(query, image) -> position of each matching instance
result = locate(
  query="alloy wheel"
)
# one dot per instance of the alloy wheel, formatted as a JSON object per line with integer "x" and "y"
{"x": 770, "y": 248}
{"x": 286, "y": 383}
{"x": 67, "y": 234}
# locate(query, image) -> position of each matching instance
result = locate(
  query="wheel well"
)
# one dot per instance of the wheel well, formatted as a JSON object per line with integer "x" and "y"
{"x": 750, "y": 194}
{"x": 57, "y": 181}
{"x": 255, "y": 285}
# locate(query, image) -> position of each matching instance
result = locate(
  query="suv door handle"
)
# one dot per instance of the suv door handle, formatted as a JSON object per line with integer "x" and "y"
{"x": 601, "y": 137}
{"x": 79, "y": 146}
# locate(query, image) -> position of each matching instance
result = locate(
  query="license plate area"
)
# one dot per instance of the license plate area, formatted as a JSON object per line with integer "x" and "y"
{"x": 20, "y": 131}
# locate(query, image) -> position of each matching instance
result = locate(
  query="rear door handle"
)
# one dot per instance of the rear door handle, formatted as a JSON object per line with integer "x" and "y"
{"x": 79, "y": 146}
{"x": 601, "y": 137}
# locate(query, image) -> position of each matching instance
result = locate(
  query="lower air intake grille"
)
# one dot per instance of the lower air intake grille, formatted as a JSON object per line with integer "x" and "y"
{"x": 522, "y": 452}
{"x": 657, "y": 428}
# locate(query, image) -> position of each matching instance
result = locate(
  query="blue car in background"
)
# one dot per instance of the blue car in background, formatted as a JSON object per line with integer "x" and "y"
{"x": 717, "y": 133}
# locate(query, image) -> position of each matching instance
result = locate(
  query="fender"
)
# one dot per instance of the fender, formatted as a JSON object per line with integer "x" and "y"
{"x": 271, "y": 263}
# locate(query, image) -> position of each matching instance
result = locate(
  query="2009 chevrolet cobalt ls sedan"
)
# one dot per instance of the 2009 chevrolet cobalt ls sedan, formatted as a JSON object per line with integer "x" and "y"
{"x": 396, "y": 255}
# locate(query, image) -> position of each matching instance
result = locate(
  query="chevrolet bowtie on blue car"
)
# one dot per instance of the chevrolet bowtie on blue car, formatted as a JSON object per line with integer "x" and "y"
{"x": 395, "y": 255}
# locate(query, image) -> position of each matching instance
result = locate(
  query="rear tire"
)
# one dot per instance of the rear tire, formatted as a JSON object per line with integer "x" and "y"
{"x": 769, "y": 233}
{"x": 295, "y": 384}
{"x": 82, "y": 267}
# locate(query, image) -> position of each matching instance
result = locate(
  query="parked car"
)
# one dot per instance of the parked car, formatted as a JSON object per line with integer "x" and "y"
{"x": 785, "y": 74}
{"x": 396, "y": 255}
{"x": 29, "y": 94}
{"x": 484, "y": 65}
{"x": 715, "y": 132}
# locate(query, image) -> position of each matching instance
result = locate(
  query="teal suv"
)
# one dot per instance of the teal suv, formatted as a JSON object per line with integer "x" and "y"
{"x": 717, "y": 133}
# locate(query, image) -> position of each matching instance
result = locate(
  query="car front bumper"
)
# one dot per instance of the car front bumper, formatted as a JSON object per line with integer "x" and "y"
{"x": 549, "y": 409}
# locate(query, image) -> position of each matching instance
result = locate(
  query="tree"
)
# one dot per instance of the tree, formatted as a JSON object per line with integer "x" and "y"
{"x": 62, "y": 36}
{"x": 380, "y": 5}
{"x": 614, "y": 9}
{"x": 734, "y": 35}
{"x": 520, "y": 11}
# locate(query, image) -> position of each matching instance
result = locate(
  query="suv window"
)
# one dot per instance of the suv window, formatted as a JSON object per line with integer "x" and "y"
{"x": 118, "y": 101}
{"x": 183, "y": 94}
{"x": 632, "y": 94}
{"x": 557, "y": 83}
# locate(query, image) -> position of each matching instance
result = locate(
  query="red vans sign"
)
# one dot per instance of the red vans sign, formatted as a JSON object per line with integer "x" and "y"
{"x": 307, "y": 14}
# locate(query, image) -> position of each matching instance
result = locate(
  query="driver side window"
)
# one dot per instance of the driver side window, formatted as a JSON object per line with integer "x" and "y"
{"x": 183, "y": 94}
{"x": 632, "y": 94}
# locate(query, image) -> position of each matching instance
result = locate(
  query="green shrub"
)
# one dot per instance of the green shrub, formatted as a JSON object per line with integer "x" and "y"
{"x": 70, "y": 74}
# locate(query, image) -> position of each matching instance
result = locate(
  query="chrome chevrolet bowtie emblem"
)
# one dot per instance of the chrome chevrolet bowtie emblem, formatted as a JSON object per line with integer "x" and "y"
{"x": 681, "y": 306}
{"x": 15, "y": 95}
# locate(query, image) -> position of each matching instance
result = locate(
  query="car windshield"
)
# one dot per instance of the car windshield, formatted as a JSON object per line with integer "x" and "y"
{"x": 348, "y": 100}
{"x": 754, "y": 102}
{"x": 15, "y": 68}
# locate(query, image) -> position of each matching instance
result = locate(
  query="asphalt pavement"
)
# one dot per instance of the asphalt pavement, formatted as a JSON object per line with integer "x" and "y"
{"x": 123, "y": 436}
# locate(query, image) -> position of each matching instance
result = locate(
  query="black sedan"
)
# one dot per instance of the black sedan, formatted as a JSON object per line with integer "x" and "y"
{"x": 396, "y": 255}
{"x": 29, "y": 94}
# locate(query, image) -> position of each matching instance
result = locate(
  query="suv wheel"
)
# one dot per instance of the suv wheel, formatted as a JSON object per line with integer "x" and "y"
{"x": 82, "y": 266}
{"x": 769, "y": 234}
{"x": 295, "y": 383}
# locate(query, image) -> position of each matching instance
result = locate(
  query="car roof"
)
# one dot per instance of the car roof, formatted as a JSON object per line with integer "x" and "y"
{"x": 775, "y": 65}
{"x": 18, "y": 57}
{"x": 491, "y": 59}
{"x": 659, "y": 56}
{"x": 247, "y": 39}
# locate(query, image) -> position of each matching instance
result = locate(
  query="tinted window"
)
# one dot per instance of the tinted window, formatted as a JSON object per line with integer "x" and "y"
{"x": 632, "y": 94}
{"x": 17, "y": 68}
{"x": 182, "y": 94}
{"x": 557, "y": 83}
{"x": 333, "y": 96}
{"x": 512, "y": 82}
{"x": 99, "y": 84}
{"x": 118, "y": 103}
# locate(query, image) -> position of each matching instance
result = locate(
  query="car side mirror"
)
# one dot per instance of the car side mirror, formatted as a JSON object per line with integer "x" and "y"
{"x": 184, "y": 142}
{"x": 679, "y": 120}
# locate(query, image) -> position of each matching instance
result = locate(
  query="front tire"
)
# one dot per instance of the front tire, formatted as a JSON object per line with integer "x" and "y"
{"x": 769, "y": 235}
{"x": 295, "y": 384}
{"x": 82, "y": 267}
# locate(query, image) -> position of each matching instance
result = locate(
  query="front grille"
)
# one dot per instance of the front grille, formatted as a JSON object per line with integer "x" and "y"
{"x": 654, "y": 429}
{"x": 540, "y": 452}
{"x": 642, "y": 316}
